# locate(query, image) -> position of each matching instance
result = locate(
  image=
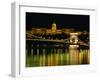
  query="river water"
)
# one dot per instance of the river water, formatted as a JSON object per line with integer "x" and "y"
{"x": 57, "y": 56}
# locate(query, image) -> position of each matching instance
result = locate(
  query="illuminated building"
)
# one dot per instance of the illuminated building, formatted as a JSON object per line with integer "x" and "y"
{"x": 54, "y": 28}
{"x": 51, "y": 31}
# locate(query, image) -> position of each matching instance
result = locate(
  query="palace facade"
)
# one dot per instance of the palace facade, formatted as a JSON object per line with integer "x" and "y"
{"x": 51, "y": 31}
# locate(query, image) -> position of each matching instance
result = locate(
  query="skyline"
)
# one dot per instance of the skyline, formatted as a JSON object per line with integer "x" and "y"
{"x": 45, "y": 20}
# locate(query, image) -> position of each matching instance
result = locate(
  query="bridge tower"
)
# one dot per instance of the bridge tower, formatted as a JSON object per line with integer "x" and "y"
{"x": 73, "y": 48}
{"x": 74, "y": 38}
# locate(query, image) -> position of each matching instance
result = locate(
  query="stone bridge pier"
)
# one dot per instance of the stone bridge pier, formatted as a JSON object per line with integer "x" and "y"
{"x": 73, "y": 48}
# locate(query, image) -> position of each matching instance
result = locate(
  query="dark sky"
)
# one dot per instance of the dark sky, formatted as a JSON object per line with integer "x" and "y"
{"x": 45, "y": 20}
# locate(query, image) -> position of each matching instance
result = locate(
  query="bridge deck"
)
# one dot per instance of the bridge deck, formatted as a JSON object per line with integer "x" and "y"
{"x": 58, "y": 41}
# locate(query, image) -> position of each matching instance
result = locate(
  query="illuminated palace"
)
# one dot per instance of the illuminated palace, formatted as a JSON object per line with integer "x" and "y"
{"x": 62, "y": 33}
{"x": 51, "y": 31}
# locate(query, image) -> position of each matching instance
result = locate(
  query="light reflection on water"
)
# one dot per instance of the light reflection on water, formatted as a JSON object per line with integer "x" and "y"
{"x": 56, "y": 56}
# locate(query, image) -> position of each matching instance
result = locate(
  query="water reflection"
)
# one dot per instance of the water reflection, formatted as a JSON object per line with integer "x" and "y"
{"x": 56, "y": 56}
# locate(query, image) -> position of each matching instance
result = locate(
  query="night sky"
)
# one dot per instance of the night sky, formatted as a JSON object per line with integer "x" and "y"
{"x": 45, "y": 20}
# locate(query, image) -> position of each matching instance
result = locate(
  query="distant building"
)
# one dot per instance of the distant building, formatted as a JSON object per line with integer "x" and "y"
{"x": 53, "y": 31}
{"x": 54, "y": 28}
